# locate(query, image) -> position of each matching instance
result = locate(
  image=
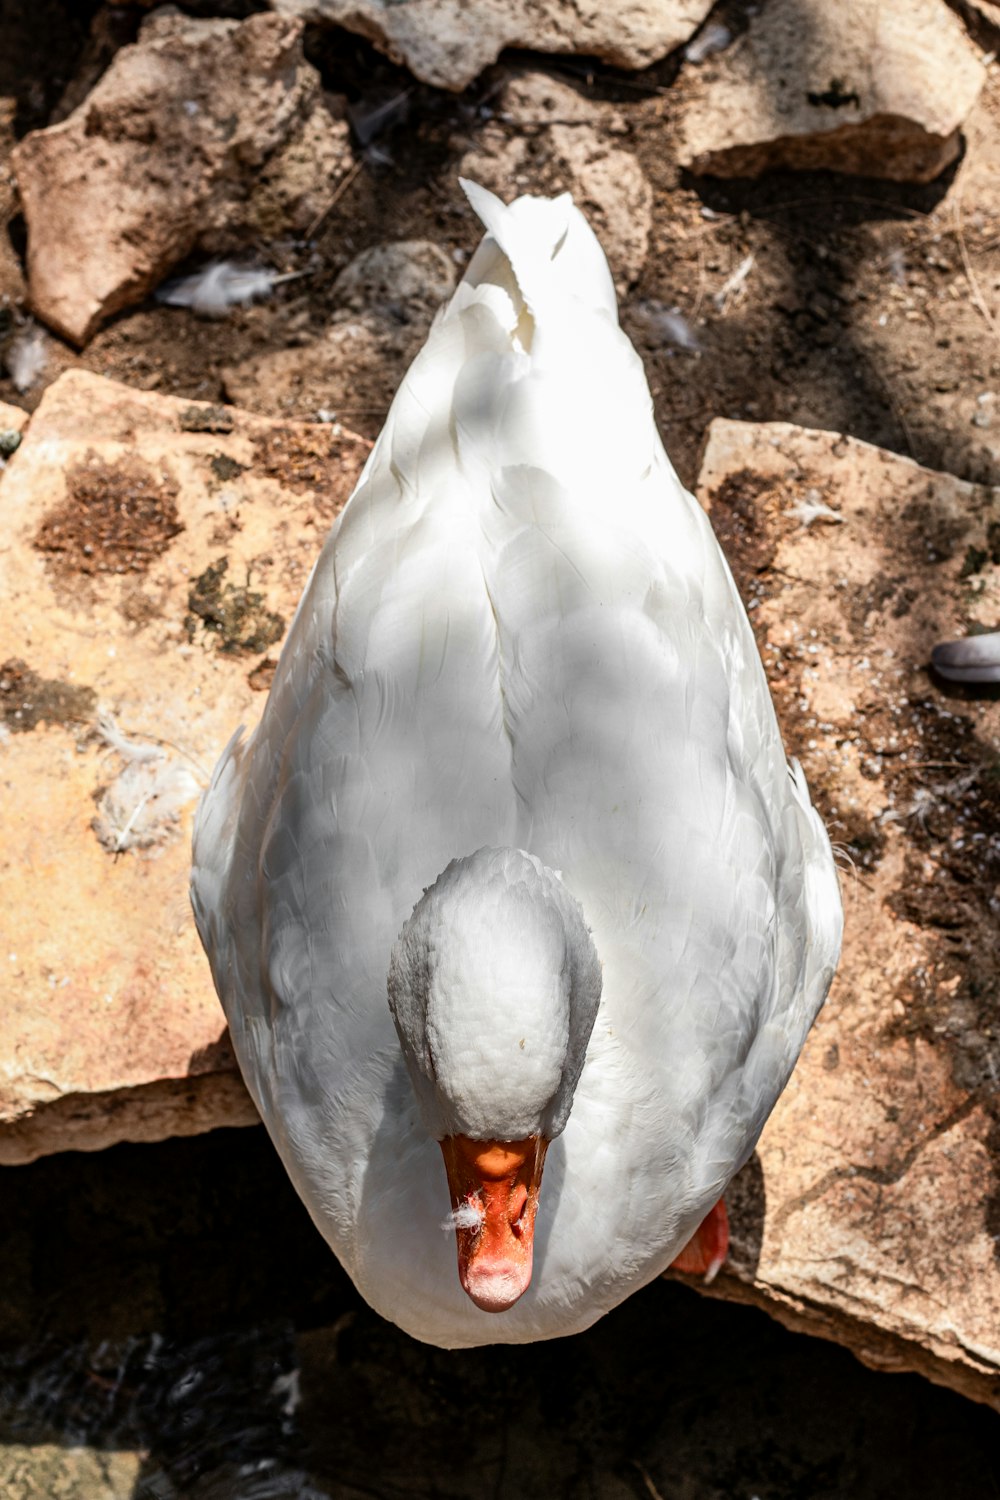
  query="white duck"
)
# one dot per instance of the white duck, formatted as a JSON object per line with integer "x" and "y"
{"x": 520, "y": 769}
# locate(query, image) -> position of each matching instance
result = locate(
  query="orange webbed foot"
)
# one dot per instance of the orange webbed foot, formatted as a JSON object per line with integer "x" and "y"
{"x": 706, "y": 1250}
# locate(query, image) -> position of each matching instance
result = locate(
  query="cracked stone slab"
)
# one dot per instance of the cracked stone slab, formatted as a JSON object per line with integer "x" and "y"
{"x": 874, "y": 87}
{"x": 13, "y": 420}
{"x": 153, "y": 551}
{"x": 449, "y": 44}
{"x": 546, "y": 138}
{"x": 870, "y": 1213}
{"x": 202, "y": 135}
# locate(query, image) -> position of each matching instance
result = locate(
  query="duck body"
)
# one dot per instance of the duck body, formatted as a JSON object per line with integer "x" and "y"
{"x": 521, "y": 642}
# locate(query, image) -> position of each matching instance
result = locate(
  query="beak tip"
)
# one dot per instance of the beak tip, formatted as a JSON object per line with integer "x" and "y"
{"x": 495, "y": 1289}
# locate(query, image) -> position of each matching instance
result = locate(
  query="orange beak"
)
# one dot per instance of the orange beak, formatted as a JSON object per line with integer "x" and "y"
{"x": 494, "y": 1192}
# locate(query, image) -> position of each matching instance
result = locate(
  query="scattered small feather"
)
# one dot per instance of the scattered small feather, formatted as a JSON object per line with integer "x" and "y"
{"x": 369, "y": 117}
{"x": 811, "y": 508}
{"x": 378, "y": 156}
{"x": 668, "y": 324}
{"x": 113, "y": 737}
{"x": 142, "y": 805}
{"x": 289, "y": 1386}
{"x": 713, "y": 38}
{"x": 713, "y": 1268}
{"x": 896, "y": 265}
{"x": 26, "y": 358}
{"x": 220, "y": 286}
{"x": 468, "y": 1215}
{"x": 985, "y": 409}
{"x": 730, "y": 290}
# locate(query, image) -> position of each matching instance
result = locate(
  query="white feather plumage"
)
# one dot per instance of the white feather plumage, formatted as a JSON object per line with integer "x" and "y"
{"x": 521, "y": 634}
{"x": 215, "y": 289}
{"x": 26, "y": 358}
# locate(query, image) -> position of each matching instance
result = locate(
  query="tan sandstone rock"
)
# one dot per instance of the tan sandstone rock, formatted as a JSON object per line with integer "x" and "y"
{"x": 201, "y": 135}
{"x": 546, "y": 138}
{"x": 871, "y": 1214}
{"x": 875, "y": 87}
{"x": 154, "y": 550}
{"x": 12, "y": 418}
{"x": 449, "y": 42}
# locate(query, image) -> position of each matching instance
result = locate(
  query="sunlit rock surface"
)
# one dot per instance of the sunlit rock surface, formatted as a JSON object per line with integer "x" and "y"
{"x": 871, "y": 1211}
{"x": 875, "y": 87}
{"x": 449, "y": 45}
{"x": 871, "y": 1214}
{"x": 204, "y": 135}
{"x": 153, "y": 553}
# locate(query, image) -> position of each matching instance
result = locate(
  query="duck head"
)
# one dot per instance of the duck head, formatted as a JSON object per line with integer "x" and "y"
{"x": 494, "y": 985}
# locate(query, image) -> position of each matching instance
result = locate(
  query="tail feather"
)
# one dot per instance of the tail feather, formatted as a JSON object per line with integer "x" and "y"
{"x": 552, "y": 250}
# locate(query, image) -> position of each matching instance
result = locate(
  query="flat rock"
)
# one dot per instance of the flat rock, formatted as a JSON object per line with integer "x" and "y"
{"x": 201, "y": 136}
{"x": 153, "y": 551}
{"x": 449, "y": 45}
{"x": 874, "y": 87}
{"x": 871, "y": 1212}
{"x": 12, "y": 418}
{"x": 71, "y": 1472}
{"x": 546, "y": 138}
{"x": 387, "y": 297}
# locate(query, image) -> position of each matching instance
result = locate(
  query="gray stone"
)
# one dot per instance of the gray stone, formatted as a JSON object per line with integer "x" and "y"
{"x": 449, "y": 44}
{"x": 875, "y": 87}
{"x": 548, "y": 139}
{"x": 202, "y": 135}
{"x": 128, "y": 654}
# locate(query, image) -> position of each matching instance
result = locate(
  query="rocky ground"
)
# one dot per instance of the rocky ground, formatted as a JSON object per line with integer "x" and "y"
{"x": 863, "y": 301}
{"x": 267, "y": 1378}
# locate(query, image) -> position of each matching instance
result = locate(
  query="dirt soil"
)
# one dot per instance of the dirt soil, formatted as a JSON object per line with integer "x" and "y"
{"x": 268, "y": 1379}
{"x": 870, "y": 308}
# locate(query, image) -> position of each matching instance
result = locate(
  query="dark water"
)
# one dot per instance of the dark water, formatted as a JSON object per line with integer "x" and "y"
{"x": 172, "y": 1325}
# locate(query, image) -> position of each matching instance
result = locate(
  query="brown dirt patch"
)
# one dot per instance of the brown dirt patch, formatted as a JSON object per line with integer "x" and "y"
{"x": 236, "y": 614}
{"x": 116, "y": 518}
{"x": 738, "y": 519}
{"x": 27, "y": 699}
{"x": 306, "y": 458}
{"x": 261, "y": 676}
